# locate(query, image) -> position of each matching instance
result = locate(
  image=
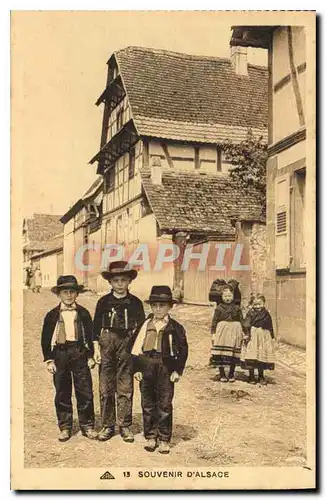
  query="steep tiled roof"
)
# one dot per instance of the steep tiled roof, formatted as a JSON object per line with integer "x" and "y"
{"x": 204, "y": 203}
{"x": 42, "y": 227}
{"x": 188, "y": 97}
{"x": 35, "y": 245}
{"x": 51, "y": 246}
{"x": 199, "y": 132}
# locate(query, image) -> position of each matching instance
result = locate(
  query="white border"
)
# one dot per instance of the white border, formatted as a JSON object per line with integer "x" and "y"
{"x": 5, "y": 132}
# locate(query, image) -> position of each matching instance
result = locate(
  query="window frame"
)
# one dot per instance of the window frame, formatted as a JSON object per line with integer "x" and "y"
{"x": 119, "y": 119}
{"x": 110, "y": 180}
{"x": 132, "y": 163}
{"x": 296, "y": 259}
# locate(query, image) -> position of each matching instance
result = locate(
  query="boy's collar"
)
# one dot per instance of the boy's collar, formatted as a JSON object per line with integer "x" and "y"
{"x": 166, "y": 318}
{"x": 63, "y": 307}
{"x": 118, "y": 295}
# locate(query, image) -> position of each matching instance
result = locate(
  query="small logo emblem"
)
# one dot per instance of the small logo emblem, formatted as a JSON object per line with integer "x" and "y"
{"x": 107, "y": 475}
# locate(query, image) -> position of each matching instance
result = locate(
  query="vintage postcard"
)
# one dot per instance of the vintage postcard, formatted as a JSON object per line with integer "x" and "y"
{"x": 163, "y": 250}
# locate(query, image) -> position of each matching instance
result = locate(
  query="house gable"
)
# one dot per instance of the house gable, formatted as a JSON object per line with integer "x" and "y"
{"x": 172, "y": 111}
{"x": 161, "y": 94}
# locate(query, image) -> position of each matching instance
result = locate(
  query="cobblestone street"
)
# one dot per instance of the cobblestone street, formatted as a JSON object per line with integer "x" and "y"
{"x": 214, "y": 424}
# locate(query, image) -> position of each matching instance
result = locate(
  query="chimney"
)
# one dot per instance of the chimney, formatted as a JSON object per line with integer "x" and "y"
{"x": 156, "y": 171}
{"x": 239, "y": 60}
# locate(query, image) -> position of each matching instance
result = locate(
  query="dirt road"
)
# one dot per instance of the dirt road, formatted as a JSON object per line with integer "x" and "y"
{"x": 214, "y": 423}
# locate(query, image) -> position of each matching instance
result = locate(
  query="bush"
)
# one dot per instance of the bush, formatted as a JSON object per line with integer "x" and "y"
{"x": 249, "y": 159}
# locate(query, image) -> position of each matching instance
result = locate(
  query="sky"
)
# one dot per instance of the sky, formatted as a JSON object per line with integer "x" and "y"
{"x": 59, "y": 70}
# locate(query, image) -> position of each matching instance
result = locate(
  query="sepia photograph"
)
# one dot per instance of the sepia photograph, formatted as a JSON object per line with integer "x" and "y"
{"x": 163, "y": 250}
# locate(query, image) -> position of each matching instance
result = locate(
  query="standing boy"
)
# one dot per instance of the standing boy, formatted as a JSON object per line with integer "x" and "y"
{"x": 117, "y": 315}
{"x": 160, "y": 352}
{"x": 68, "y": 350}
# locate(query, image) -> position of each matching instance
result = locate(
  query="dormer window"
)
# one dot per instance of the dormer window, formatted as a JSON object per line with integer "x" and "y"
{"x": 112, "y": 73}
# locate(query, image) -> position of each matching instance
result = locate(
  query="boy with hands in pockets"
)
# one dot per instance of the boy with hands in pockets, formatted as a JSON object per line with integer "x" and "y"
{"x": 160, "y": 352}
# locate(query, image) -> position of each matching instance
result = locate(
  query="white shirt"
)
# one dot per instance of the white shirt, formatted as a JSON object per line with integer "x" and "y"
{"x": 119, "y": 295}
{"x": 69, "y": 321}
{"x": 159, "y": 325}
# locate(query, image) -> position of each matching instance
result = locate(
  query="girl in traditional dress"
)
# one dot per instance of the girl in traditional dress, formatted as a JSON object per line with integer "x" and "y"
{"x": 227, "y": 335}
{"x": 258, "y": 347}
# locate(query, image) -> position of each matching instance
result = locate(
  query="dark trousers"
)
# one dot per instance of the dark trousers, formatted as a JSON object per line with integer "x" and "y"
{"x": 156, "y": 399}
{"x": 116, "y": 380}
{"x": 71, "y": 362}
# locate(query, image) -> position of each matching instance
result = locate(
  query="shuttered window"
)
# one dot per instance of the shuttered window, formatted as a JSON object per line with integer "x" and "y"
{"x": 282, "y": 220}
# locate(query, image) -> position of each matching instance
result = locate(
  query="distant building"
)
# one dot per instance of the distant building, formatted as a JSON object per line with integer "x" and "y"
{"x": 82, "y": 226}
{"x": 285, "y": 285}
{"x": 37, "y": 231}
{"x": 50, "y": 261}
{"x": 166, "y": 116}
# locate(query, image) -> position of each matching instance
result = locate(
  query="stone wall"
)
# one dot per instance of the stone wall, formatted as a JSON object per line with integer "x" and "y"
{"x": 253, "y": 236}
{"x": 257, "y": 249}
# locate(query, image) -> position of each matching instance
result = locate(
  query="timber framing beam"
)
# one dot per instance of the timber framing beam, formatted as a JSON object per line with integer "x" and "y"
{"x": 113, "y": 94}
{"x": 120, "y": 143}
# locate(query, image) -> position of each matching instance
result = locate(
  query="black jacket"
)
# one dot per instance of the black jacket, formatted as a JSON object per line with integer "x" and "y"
{"x": 85, "y": 329}
{"x": 179, "y": 347}
{"x": 259, "y": 319}
{"x": 129, "y": 305}
{"x": 226, "y": 312}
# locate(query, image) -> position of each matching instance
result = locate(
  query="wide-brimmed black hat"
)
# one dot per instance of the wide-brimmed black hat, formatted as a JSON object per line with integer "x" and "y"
{"x": 161, "y": 294}
{"x": 68, "y": 282}
{"x": 118, "y": 268}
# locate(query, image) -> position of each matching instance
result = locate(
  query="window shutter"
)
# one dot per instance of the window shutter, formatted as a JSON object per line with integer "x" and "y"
{"x": 282, "y": 222}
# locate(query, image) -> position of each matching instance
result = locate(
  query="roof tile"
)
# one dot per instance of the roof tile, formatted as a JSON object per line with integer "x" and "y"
{"x": 42, "y": 227}
{"x": 51, "y": 246}
{"x": 181, "y": 96}
{"x": 200, "y": 203}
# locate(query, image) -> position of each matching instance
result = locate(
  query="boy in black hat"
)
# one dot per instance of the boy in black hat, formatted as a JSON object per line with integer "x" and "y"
{"x": 117, "y": 315}
{"x": 160, "y": 352}
{"x": 68, "y": 350}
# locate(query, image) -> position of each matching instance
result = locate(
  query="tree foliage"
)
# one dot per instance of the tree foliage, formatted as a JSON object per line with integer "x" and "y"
{"x": 248, "y": 159}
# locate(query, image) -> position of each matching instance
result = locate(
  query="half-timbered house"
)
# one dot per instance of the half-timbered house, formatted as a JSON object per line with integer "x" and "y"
{"x": 50, "y": 260}
{"x": 36, "y": 232}
{"x": 166, "y": 116}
